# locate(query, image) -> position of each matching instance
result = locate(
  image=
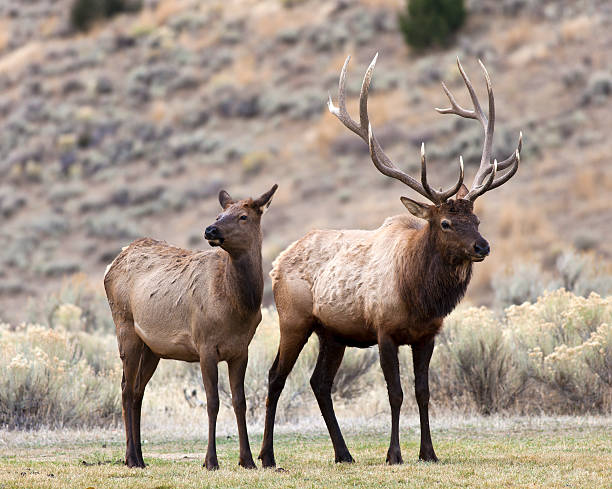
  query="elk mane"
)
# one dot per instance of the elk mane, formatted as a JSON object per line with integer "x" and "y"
{"x": 429, "y": 285}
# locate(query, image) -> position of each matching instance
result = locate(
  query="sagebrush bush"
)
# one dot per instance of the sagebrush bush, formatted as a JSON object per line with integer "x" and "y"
{"x": 47, "y": 380}
{"x": 480, "y": 360}
{"x": 579, "y": 273}
{"x": 84, "y": 13}
{"x": 567, "y": 338}
{"x": 425, "y": 23}
{"x": 78, "y": 305}
{"x": 551, "y": 356}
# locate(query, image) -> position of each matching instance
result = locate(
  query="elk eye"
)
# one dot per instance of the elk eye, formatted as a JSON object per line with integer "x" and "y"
{"x": 445, "y": 224}
{"x": 243, "y": 218}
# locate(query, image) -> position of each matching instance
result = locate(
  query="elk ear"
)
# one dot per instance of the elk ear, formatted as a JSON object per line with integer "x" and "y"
{"x": 463, "y": 191}
{"x": 224, "y": 199}
{"x": 417, "y": 209}
{"x": 262, "y": 203}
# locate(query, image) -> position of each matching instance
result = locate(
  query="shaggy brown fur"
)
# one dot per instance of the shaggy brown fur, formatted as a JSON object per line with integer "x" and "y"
{"x": 194, "y": 306}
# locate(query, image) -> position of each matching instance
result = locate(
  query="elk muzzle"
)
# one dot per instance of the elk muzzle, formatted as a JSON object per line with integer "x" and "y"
{"x": 213, "y": 236}
{"x": 481, "y": 250}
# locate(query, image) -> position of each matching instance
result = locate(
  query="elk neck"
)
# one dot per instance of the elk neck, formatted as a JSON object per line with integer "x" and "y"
{"x": 430, "y": 284}
{"x": 244, "y": 278}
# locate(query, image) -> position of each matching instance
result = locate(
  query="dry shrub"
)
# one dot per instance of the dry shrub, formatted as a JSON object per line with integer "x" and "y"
{"x": 570, "y": 353}
{"x": 476, "y": 353}
{"x": 575, "y": 272}
{"x": 76, "y": 291}
{"x": 47, "y": 380}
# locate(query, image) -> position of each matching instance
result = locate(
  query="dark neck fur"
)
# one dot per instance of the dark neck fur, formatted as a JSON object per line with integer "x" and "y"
{"x": 431, "y": 286}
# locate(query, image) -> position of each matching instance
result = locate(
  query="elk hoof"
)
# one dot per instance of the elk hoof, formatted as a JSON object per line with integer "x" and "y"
{"x": 428, "y": 456}
{"x": 267, "y": 460}
{"x": 345, "y": 458}
{"x": 248, "y": 464}
{"x": 134, "y": 463}
{"x": 394, "y": 457}
{"x": 211, "y": 465}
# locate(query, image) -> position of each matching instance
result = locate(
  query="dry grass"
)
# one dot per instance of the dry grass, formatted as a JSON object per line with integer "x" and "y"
{"x": 474, "y": 452}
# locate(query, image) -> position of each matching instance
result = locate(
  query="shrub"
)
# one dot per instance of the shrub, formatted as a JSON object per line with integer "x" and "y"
{"x": 84, "y": 13}
{"x": 575, "y": 272}
{"x": 78, "y": 305}
{"x": 481, "y": 360}
{"x": 431, "y": 22}
{"x": 46, "y": 380}
{"x": 568, "y": 340}
{"x": 521, "y": 283}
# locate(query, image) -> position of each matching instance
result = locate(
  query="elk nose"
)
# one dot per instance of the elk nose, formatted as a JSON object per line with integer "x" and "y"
{"x": 482, "y": 248}
{"x": 211, "y": 232}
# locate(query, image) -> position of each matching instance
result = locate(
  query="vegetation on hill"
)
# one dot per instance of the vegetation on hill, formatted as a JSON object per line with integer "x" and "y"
{"x": 425, "y": 23}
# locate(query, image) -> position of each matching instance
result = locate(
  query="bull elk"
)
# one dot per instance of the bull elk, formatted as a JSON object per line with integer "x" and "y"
{"x": 194, "y": 306}
{"x": 390, "y": 286}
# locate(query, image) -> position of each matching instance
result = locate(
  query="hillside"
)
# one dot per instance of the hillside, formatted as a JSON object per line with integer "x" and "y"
{"x": 132, "y": 129}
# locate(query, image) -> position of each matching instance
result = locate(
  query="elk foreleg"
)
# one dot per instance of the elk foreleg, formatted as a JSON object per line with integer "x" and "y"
{"x": 328, "y": 362}
{"x": 288, "y": 352}
{"x": 421, "y": 355}
{"x": 210, "y": 377}
{"x": 237, "y": 370}
{"x": 387, "y": 349}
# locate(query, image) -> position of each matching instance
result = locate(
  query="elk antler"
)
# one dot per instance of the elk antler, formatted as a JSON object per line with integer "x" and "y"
{"x": 381, "y": 161}
{"x": 486, "y": 170}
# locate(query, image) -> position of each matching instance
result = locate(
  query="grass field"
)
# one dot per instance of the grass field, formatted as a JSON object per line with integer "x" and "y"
{"x": 475, "y": 453}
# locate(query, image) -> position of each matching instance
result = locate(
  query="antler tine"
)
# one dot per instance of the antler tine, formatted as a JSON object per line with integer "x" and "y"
{"x": 511, "y": 160}
{"x": 364, "y": 130}
{"x": 486, "y": 169}
{"x": 476, "y": 191}
{"x": 386, "y": 167}
{"x": 340, "y": 112}
{"x": 439, "y": 196}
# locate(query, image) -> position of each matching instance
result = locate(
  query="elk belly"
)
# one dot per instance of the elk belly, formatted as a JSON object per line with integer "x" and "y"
{"x": 168, "y": 342}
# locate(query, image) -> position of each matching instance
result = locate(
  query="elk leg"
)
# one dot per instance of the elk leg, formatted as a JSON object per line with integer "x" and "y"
{"x": 130, "y": 351}
{"x": 210, "y": 377}
{"x": 146, "y": 368}
{"x": 421, "y": 355}
{"x": 288, "y": 351}
{"x": 390, "y": 366}
{"x": 328, "y": 362}
{"x": 237, "y": 369}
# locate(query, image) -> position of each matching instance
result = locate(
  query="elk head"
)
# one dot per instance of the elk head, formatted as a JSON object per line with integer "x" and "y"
{"x": 237, "y": 228}
{"x": 452, "y": 224}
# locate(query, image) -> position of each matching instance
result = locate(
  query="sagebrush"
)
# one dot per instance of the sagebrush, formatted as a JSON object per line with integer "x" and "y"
{"x": 552, "y": 356}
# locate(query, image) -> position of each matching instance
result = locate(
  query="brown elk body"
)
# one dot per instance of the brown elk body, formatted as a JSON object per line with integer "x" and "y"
{"x": 194, "y": 306}
{"x": 390, "y": 286}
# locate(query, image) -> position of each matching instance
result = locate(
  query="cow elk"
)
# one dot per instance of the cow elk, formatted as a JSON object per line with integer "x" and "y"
{"x": 194, "y": 306}
{"x": 390, "y": 286}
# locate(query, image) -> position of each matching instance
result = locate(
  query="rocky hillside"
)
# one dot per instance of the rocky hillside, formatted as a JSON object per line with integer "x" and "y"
{"x": 132, "y": 129}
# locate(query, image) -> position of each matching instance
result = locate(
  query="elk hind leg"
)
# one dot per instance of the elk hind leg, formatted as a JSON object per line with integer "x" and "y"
{"x": 330, "y": 357}
{"x": 139, "y": 364}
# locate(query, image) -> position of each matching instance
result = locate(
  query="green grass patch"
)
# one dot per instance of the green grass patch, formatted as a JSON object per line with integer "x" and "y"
{"x": 570, "y": 455}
